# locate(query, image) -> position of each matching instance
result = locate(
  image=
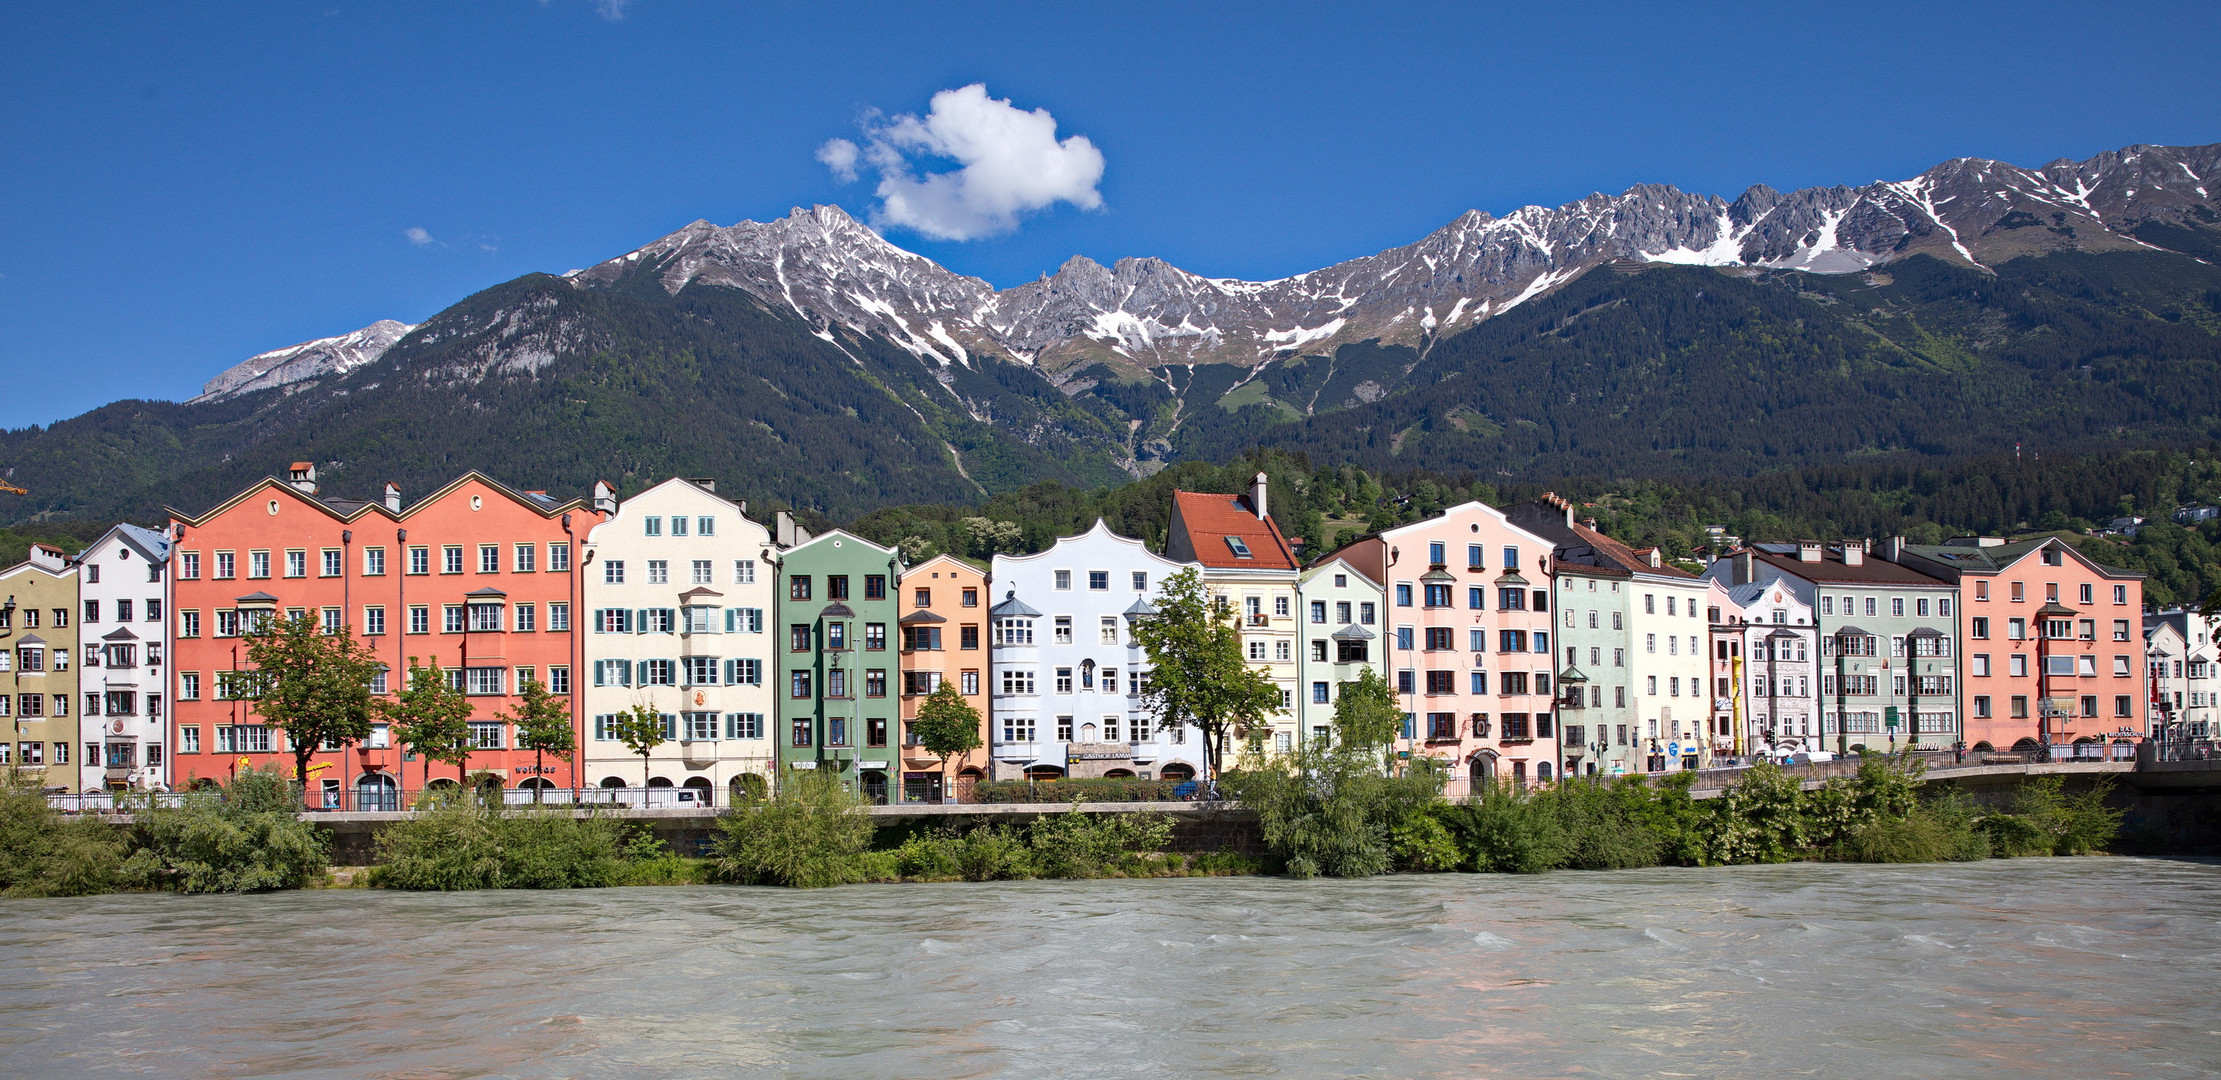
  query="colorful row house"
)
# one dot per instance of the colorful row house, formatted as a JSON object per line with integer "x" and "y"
{"x": 123, "y": 582}
{"x": 1068, "y": 676}
{"x": 1765, "y": 671}
{"x": 1251, "y": 569}
{"x": 838, "y": 666}
{"x": 1469, "y": 643}
{"x": 943, "y": 626}
{"x": 477, "y": 579}
{"x": 38, "y": 641}
{"x": 679, "y": 601}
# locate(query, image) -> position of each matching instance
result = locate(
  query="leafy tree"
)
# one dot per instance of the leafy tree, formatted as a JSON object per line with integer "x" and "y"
{"x": 1367, "y": 715}
{"x": 640, "y": 728}
{"x": 432, "y": 717}
{"x": 947, "y": 725}
{"x": 313, "y": 685}
{"x": 543, "y": 726}
{"x": 1199, "y": 676}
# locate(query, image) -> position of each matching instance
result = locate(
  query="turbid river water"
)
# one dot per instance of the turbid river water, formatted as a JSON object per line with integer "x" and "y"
{"x": 2066, "y": 968}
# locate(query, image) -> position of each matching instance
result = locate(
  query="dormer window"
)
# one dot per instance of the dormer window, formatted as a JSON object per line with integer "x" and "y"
{"x": 1240, "y": 548}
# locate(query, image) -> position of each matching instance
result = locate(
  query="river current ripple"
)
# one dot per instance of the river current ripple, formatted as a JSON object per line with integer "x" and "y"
{"x": 2034, "y": 967}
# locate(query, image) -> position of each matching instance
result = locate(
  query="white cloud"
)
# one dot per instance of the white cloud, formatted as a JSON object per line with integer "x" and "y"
{"x": 417, "y": 236}
{"x": 613, "y": 10}
{"x": 839, "y": 155}
{"x": 1011, "y": 164}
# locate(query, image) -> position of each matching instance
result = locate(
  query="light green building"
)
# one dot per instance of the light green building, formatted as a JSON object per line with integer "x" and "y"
{"x": 838, "y": 668}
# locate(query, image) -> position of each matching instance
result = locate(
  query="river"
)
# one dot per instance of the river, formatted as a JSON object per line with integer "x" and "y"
{"x": 2033, "y": 967}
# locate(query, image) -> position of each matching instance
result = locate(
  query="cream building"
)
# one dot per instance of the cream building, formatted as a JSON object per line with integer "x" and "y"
{"x": 678, "y": 598}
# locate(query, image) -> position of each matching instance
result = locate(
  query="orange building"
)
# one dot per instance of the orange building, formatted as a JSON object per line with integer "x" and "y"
{"x": 2053, "y": 643}
{"x": 477, "y": 577}
{"x": 943, "y": 622}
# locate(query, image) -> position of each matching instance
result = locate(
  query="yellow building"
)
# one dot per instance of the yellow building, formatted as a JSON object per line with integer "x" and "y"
{"x": 38, "y": 645}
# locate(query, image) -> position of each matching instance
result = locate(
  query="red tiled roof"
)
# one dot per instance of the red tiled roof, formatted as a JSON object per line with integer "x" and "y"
{"x": 1210, "y": 519}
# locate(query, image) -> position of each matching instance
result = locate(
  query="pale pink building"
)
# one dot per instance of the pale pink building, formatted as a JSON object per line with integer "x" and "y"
{"x": 1468, "y": 643}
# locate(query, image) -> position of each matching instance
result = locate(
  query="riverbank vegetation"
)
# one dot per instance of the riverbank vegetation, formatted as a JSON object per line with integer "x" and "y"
{"x": 246, "y": 836}
{"x": 459, "y": 842}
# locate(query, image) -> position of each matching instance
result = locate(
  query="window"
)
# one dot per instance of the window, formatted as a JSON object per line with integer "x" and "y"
{"x": 1403, "y": 594}
{"x": 296, "y": 563}
{"x": 652, "y": 525}
{"x": 968, "y": 683}
{"x": 485, "y": 618}
{"x": 875, "y": 636}
{"x": 875, "y": 586}
{"x": 1239, "y": 547}
{"x": 2120, "y": 629}
{"x": 1511, "y": 599}
{"x": 1979, "y": 627}
{"x": 451, "y": 559}
{"x": 1404, "y": 637}
{"x": 484, "y": 680}
{"x": 189, "y": 565}
{"x": 526, "y": 618}
{"x": 700, "y": 670}
{"x": 258, "y": 564}
{"x": 1017, "y": 682}
{"x": 744, "y": 672}
{"x": 485, "y": 736}
{"x": 875, "y": 682}
{"x": 420, "y": 560}
{"x": 1442, "y": 682}
{"x": 1511, "y": 641}
{"x": 1439, "y": 638}
{"x": 1980, "y": 665}
{"x": 1511, "y": 682}
{"x": 659, "y": 571}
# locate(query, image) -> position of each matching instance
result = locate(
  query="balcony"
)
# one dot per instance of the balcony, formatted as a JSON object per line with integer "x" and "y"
{"x": 1256, "y": 620}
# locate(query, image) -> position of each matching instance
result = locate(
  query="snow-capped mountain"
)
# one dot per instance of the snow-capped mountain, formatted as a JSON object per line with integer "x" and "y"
{"x": 308, "y": 360}
{"x": 1141, "y": 313}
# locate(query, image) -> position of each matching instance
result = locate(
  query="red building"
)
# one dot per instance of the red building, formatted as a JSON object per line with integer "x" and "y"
{"x": 477, "y": 577}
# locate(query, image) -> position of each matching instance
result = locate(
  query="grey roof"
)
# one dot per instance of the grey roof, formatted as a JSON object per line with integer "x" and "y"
{"x": 256, "y": 598}
{"x": 1352, "y": 632}
{"x": 1748, "y": 593}
{"x": 1785, "y": 632}
{"x": 487, "y": 593}
{"x": 121, "y": 633}
{"x": 1924, "y": 632}
{"x": 30, "y": 639}
{"x": 837, "y": 610}
{"x": 1013, "y": 608}
{"x": 1852, "y": 630}
{"x": 917, "y": 617}
{"x": 1141, "y": 608}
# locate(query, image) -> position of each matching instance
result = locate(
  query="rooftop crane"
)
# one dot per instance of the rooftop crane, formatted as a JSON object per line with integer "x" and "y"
{"x": 5, "y": 486}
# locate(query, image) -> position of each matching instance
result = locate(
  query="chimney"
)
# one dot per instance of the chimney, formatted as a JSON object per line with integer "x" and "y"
{"x": 1893, "y": 549}
{"x": 1854, "y": 553}
{"x": 1257, "y": 490}
{"x": 706, "y": 483}
{"x": 49, "y": 558}
{"x": 1742, "y": 566}
{"x": 302, "y": 476}
{"x": 393, "y": 497}
{"x": 788, "y": 534}
{"x": 1808, "y": 551}
{"x": 605, "y": 497}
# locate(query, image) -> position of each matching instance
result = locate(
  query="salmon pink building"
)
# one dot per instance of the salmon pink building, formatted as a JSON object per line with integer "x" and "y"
{"x": 2053, "y": 643}
{"x": 477, "y": 577}
{"x": 1469, "y": 650}
{"x": 943, "y": 627}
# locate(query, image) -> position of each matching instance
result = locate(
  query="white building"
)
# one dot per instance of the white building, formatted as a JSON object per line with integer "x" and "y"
{"x": 678, "y": 594}
{"x": 1341, "y": 630}
{"x": 122, "y": 678}
{"x": 2180, "y": 652}
{"x": 1065, "y": 681}
{"x": 1771, "y": 668}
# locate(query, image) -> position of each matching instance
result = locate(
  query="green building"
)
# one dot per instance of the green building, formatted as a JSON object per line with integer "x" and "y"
{"x": 836, "y": 664}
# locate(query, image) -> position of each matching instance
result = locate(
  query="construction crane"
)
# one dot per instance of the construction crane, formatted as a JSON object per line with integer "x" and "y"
{"x": 5, "y": 486}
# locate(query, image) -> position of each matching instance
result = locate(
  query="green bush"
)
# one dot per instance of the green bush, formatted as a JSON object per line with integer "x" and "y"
{"x": 809, "y": 835}
{"x": 462, "y": 842}
{"x": 1509, "y": 830}
{"x": 244, "y": 837}
{"x": 1076, "y": 844}
{"x": 1337, "y": 810}
{"x": 43, "y": 853}
{"x": 2045, "y": 820}
{"x": 1936, "y": 830}
{"x": 1601, "y": 827}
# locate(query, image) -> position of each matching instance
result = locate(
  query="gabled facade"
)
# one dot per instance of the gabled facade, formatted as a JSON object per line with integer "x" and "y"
{"x": 1889, "y": 640}
{"x": 838, "y": 667}
{"x": 943, "y": 631}
{"x": 1766, "y": 670}
{"x": 1249, "y": 566}
{"x": 123, "y": 583}
{"x": 477, "y": 577}
{"x": 1066, "y": 689}
{"x": 2053, "y": 641}
{"x": 1470, "y": 647}
{"x": 2180, "y": 661}
{"x": 680, "y": 616}
{"x": 1632, "y": 655}
{"x": 1342, "y": 639}
{"x": 38, "y": 682}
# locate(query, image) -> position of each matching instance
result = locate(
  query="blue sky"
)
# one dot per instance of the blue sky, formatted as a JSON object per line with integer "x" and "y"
{"x": 182, "y": 186}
